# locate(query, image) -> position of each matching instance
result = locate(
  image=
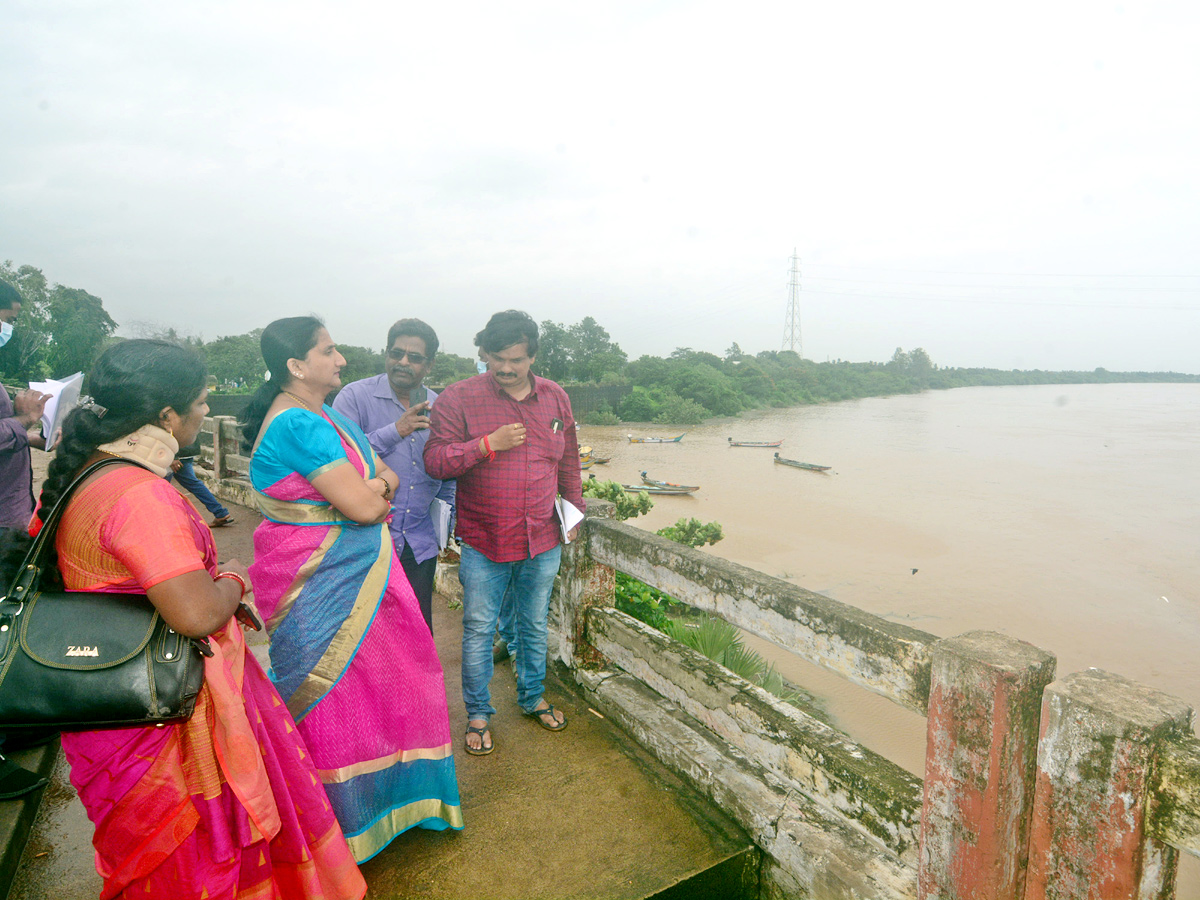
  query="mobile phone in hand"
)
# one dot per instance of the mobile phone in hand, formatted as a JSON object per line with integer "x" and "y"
{"x": 417, "y": 395}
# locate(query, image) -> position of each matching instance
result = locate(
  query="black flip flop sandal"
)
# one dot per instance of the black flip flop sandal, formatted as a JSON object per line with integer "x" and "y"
{"x": 548, "y": 710}
{"x": 484, "y": 749}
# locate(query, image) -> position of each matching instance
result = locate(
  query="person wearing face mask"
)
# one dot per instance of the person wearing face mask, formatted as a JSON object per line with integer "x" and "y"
{"x": 16, "y": 418}
{"x": 16, "y": 494}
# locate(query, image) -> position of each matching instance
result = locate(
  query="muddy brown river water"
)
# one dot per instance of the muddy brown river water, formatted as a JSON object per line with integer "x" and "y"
{"x": 1066, "y": 516}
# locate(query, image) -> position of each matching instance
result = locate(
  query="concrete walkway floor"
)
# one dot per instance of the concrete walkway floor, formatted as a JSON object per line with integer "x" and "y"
{"x": 578, "y": 814}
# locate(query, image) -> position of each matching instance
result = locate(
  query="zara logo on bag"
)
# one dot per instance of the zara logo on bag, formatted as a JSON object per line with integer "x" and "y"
{"x": 83, "y": 651}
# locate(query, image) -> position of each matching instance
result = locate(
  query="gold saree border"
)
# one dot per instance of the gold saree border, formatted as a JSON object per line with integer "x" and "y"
{"x": 345, "y": 773}
{"x": 369, "y": 842}
{"x": 341, "y": 649}
{"x": 290, "y": 512}
{"x": 302, "y": 575}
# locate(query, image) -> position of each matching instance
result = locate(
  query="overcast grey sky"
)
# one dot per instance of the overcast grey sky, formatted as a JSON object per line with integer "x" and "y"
{"x": 1007, "y": 184}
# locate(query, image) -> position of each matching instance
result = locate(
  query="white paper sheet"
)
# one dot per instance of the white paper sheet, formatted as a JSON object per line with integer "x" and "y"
{"x": 64, "y": 397}
{"x": 569, "y": 516}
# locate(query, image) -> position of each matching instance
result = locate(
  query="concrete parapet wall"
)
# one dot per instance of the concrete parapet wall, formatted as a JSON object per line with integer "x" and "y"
{"x": 1175, "y": 795}
{"x": 1091, "y": 838}
{"x": 813, "y": 853}
{"x": 980, "y": 760}
{"x": 870, "y": 792}
{"x": 885, "y": 657}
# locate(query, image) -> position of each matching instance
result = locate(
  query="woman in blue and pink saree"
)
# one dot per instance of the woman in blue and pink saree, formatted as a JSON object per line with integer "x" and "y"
{"x": 350, "y": 653}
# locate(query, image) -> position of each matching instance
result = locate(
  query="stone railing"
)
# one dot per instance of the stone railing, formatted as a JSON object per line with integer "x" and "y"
{"x": 1083, "y": 787}
{"x": 221, "y": 463}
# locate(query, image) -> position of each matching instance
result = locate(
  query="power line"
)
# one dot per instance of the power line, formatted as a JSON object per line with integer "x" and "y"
{"x": 999, "y": 302}
{"x": 1015, "y": 287}
{"x": 1001, "y": 274}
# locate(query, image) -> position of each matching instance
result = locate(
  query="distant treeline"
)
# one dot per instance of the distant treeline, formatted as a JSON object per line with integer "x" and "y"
{"x": 61, "y": 329}
{"x": 691, "y": 386}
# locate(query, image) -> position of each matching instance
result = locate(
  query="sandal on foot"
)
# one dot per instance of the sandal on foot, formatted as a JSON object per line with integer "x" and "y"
{"x": 553, "y": 724}
{"x": 484, "y": 749}
{"x": 222, "y": 521}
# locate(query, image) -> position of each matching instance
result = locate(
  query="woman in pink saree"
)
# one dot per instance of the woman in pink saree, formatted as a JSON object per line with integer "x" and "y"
{"x": 225, "y": 804}
{"x": 350, "y": 652}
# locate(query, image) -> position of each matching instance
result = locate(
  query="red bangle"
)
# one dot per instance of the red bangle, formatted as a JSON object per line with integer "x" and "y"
{"x": 236, "y": 577}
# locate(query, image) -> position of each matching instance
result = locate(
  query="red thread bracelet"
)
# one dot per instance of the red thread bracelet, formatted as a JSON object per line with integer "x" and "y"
{"x": 487, "y": 445}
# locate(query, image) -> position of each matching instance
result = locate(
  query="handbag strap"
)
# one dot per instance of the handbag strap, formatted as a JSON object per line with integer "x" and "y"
{"x": 25, "y": 582}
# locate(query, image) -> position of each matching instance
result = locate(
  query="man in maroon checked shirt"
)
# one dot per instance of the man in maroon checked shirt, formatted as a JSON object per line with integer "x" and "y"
{"x": 508, "y": 436}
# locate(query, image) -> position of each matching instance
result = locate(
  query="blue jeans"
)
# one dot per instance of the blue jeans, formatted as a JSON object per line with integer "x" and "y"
{"x": 484, "y": 586}
{"x": 507, "y": 626}
{"x": 187, "y": 478}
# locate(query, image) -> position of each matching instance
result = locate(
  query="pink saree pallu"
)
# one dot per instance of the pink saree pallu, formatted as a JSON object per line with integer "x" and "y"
{"x": 350, "y": 653}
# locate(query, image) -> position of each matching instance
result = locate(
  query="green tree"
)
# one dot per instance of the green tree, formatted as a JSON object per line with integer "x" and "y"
{"x": 236, "y": 359}
{"x": 449, "y": 368}
{"x": 593, "y": 354}
{"x": 80, "y": 327}
{"x": 360, "y": 362}
{"x": 554, "y": 351}
{"x": 708, "y": 386}
{"x": 920, "y": 367}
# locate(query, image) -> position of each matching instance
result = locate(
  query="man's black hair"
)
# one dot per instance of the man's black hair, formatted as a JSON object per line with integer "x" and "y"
{"x": 9, "y": 295}
{"x": 413, "y": 328}
{"x": 507, "y": 328}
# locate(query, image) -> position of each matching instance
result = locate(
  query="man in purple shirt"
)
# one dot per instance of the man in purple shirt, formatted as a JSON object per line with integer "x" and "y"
{"x": 16, "y": 494}
{"x": 16, "y": 418}
{"x": 393, "y": 410}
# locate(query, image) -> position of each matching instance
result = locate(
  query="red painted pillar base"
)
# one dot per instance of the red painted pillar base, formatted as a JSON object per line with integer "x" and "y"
{"x": 984, "y": 703}
{"x": 1089, "y": 840}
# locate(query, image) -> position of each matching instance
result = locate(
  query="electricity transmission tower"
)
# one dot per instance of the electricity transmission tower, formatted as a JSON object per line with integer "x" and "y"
{"x": 791, "y": 324}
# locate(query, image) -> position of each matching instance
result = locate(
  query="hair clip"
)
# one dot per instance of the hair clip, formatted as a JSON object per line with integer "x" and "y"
{"x": 93, "y": 407}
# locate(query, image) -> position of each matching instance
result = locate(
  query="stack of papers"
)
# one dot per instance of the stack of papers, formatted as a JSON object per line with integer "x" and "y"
{"x": 64, "y": 397}
{"x": 439, "y": 512}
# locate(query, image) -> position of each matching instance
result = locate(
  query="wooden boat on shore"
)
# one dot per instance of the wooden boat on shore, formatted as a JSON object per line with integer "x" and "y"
{"x": 733, "y": 443}
{"x": 655, "y": 440}
{"x": 601, "y": 460}
{"x": 669, "y": 485}
{"x": 655, "y": 489}
{"x": 795, "y": 463}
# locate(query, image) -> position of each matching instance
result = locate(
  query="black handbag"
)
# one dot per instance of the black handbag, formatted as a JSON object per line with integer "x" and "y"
{"x": 82, "y": 660}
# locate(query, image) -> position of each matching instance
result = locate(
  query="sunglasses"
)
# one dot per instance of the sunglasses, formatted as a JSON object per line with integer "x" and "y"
{"x": 415, "y": 358}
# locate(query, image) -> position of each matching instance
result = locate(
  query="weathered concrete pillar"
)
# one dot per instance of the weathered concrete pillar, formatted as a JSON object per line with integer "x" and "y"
{"x": 582, "y": 584}
{"x": 221, "y": 437}
{"x": 985, "y": 698}
{"x": 1089, "y": 839}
